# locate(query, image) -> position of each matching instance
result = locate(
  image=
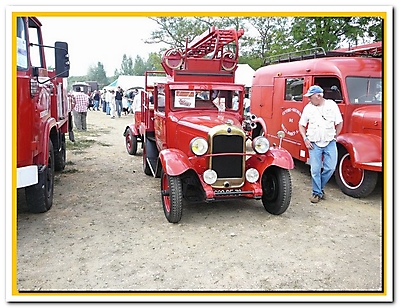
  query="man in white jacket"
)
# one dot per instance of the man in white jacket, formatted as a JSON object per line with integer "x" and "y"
{"x": 324, "y": 123}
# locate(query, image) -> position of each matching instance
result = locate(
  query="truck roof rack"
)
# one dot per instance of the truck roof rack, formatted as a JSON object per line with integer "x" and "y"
{"x": 367, "y": 50}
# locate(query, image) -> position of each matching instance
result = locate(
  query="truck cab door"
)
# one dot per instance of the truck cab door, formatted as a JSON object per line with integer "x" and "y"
{"x": 290, "y": 98}
{"x": 159, "y": 116}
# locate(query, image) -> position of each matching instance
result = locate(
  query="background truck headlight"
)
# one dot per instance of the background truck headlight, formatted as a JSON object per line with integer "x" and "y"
{"x": 260, "y": 145}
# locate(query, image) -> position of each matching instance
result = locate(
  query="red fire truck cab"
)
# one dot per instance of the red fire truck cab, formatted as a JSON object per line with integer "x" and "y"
{"x": 43, "y": 114}
{"x": 195, "y": 135}
{"x": 353, "y": 79}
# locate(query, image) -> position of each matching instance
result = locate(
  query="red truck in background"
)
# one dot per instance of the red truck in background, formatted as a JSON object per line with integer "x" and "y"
{"x": 43, "y": 114}
{"x": 353, "y": 78}
{"x": 194, "y": 136}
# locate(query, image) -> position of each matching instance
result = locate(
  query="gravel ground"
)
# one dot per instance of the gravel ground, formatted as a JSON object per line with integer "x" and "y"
{"x": 107, "y": 232}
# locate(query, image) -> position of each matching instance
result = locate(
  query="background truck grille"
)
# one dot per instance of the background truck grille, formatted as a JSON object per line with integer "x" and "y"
{"x": 228, "y": 166}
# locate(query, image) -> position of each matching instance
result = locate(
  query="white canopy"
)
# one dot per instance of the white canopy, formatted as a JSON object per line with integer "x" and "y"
{"x": 244, "y": 75}
{"x": 127, "y": 82}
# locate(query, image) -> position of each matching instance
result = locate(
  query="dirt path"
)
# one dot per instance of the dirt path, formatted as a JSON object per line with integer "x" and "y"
{"x": 107, "y": 232}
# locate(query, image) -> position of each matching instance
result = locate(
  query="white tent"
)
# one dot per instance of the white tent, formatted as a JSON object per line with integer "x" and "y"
{"x": 126, "y": 82}
{"x": 244, "y": 75}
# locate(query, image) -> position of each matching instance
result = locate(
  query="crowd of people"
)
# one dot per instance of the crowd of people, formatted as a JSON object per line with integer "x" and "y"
{"x": 111, "y": 102}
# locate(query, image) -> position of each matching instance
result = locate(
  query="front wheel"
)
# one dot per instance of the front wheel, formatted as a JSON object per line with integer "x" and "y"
{"x": 277, "y": 190}
{"x": 131, "y": 142}
{"x": 39, "y": 197}
{"x": 352, "y": 181}
{"x": 172, "y": 197}
{"x": 60, "y": 155}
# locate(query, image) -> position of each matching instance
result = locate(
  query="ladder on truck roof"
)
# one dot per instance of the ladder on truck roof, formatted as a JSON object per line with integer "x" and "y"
{"x": 368, "y": 50}
{"x": 208, "y": 52}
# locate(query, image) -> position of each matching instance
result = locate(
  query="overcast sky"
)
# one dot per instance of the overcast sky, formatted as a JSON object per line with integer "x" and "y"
{"x": 99, "y": 39}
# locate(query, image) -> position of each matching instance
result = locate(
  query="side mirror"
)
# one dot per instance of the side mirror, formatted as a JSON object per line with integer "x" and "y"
{"x": 61, "y": 59}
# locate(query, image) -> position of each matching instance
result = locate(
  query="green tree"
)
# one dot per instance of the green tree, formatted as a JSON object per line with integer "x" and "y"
{"x": 153, "y": 62}
{"x": 97, "y": 73}
{"x": 333, "y": 32}
{"x": 139, "y": 66}
{"x": 126, "y": 66}
{"x": 173, "y": 31}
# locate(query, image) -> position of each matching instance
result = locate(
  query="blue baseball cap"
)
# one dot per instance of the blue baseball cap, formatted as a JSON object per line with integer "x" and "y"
{"x": 314, "y": 90}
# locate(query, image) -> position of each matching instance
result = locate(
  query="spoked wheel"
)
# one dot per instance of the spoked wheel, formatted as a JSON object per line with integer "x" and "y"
{"x": 172, "y": 197}
{"x": 353, "y": 181}
{"x": 131, "y": 142}
{"x": 277, "y": 190}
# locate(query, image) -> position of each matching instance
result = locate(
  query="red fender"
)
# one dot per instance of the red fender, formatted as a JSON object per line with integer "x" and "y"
{"x": 42, "y": 158}
{"x": 262, "y": 123}
{"x": 132, "y": 128}
{"x": 365, "y": 150}
{"x": 174, "y": 162}
{"x": 274, "y": 157}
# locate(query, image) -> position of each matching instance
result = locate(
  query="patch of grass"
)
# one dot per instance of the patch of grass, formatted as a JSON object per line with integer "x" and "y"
{"x": 79, "y": 144}
{"x": 69, "y": 163}
{"x": 104, "y": 144}
{"x": 77, "y": 152}
{"x": 73, "y": 170}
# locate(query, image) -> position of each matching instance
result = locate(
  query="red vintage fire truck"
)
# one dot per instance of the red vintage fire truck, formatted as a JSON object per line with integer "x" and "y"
{"x": 353, "y": 78}
{"x": 43, "y": 114}
{"x": 195, "y": 133}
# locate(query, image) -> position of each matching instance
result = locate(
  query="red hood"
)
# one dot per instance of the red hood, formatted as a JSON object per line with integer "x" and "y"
{"x": 367, "y": 119}
{"x": 205, "y": 122}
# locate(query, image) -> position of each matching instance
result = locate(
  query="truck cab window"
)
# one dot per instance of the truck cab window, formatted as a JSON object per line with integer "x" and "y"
{"x": 35, "y": 51}
{"x": 293, "y": 89}
{"x": 332, "y": 88}
{"x": 22, "y": 49}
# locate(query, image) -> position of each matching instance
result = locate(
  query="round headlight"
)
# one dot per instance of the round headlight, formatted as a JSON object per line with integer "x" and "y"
{"x": 210, "y": 176}
{"x": 199, "y": 146}
{"x": 260, "y": 145}
{"x": 252, "y": 175}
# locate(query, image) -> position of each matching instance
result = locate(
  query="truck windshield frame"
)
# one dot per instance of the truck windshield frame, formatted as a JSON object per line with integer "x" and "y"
{"x": 200, "y": 99}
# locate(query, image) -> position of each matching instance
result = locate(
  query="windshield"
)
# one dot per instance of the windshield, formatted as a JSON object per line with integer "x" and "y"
{"x": 223, "y": 100}
{"x": 364, "y": 90}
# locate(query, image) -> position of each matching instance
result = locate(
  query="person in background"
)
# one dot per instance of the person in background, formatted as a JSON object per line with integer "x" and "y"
{"x": 112, "y": 104}
{"x": 96, "y": 100}
{"x": 118, "y": 101}
{"x": 235, "y": 101}
{"x": 80, "y": 109}
{"x": 324, "y": 123}
{"x": 109, "y": 97}
{"x": 247, "y": 103}
{"x": 104, "y": 100}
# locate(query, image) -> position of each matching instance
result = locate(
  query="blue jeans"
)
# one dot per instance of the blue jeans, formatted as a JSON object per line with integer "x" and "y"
{"x": 118, "y": 107}
{"x": 96, "y": 105}
{"x": 325, "y": 158}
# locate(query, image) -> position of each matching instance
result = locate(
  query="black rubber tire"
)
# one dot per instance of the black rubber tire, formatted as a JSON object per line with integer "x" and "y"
{"x": 131, "y": 142}
{"x": 60, "y": 155}
{"x": 352, "y": 181}
{"x": 172, "y": 197}
{"x": 277, "y": 190}
{"x": 39, "y": 197}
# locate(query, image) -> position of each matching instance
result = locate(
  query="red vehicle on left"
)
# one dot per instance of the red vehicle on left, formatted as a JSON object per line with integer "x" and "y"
{"x": 43, "y": 114}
